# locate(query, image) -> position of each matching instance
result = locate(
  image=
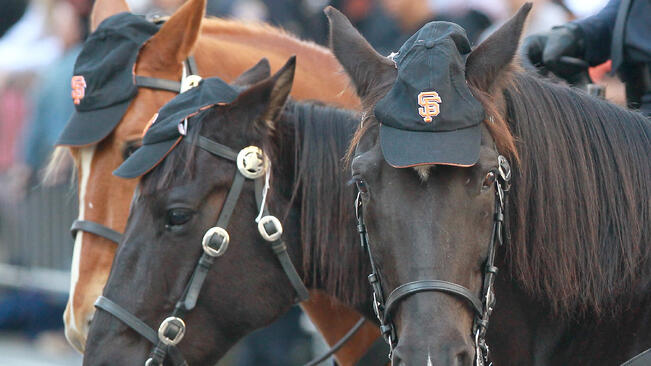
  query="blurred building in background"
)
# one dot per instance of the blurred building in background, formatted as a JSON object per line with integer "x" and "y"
{"x": 39, "y": 42}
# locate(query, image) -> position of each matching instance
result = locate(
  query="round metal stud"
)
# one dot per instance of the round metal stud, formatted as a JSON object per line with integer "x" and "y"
{"x": 171, "y": 331}
{"x": 270, "y": 228}
{"x": 252, "y": 162}
{"x": 215, "y": 241}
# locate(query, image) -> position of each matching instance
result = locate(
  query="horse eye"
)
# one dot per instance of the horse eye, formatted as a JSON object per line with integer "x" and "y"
{"x": 178, "y": 216}
{"x": 489, "y": 180}
{"x": 361, "y": 185}
{"x": 130, "y": 147}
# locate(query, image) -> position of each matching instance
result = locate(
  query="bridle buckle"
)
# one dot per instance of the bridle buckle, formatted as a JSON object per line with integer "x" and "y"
{"x": 171, "y": 331}
{"x": 215, "y": 241}
{"x": 270, "y": 228}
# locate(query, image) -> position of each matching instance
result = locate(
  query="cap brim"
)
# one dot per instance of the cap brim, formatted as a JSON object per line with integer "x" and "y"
{"x": 91, "y": 127}
{"x": 403, "y": 148}
{"x": 145, "y": 158}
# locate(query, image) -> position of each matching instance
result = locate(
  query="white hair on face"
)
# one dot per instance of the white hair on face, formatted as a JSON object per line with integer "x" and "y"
{"x": 423, "y": 172}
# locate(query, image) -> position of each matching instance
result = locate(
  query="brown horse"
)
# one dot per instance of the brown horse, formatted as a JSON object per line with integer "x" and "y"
{"x": 222, "y": 48}
{"x": 575, "y": 280}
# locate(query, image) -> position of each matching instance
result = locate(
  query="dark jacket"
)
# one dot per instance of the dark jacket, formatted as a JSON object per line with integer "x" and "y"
{"x": 621, "y": 31}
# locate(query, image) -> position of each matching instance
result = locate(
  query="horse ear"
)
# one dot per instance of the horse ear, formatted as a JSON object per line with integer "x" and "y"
{"x": 175, "y": 40}
{"x": 494, "y": 56}
{"x": 269, "y": 96}
{"x": 103, "y": 9}
{"x": 258, "y": 72}
{"x": 367, "y": 68}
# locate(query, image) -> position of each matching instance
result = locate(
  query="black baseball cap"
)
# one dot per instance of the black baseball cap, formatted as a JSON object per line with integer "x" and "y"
{"x": 103, "y": 82}
{"x": 168, "y": 127}
{"x": 430, "y": 116}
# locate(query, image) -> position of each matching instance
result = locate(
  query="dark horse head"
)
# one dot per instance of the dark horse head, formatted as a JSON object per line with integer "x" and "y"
{"x": 577, "y": 252}
{"x": 184, "y": 195}
{"x": 426, "y": 222}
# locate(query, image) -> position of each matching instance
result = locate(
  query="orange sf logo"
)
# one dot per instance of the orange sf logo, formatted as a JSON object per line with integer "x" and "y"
{"x": 429, "y": 105}
{"x": 78, "y": 84}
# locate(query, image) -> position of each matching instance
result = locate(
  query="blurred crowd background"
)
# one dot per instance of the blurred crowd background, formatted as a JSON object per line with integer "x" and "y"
{"x": 39, "y": 43}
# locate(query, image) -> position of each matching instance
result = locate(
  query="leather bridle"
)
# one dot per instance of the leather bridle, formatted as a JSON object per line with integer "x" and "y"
{"x": 252, "y": 164}
{"x": 482, "y": 307}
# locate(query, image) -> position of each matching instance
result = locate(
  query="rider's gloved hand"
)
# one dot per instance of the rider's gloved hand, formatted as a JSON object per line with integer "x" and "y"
{"x": 546, "y": 49}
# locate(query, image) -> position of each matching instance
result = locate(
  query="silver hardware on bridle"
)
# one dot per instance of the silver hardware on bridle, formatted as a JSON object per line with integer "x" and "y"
{"x": 210, "y": 235}
{"x": 270, "y": 234}
{"x": 252, "y": 162}
{"x": 176, "y": 326}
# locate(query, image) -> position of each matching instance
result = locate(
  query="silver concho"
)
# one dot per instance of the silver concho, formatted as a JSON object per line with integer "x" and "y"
{"x": 252, "y": 162}
{"x": 277, "y": 226}
{"x": 168, "y": 322}
{"x": 205, "y": 242}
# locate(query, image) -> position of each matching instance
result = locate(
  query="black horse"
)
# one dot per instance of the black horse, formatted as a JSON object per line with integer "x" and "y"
{"x": 246, "y": 288}
{"x": 575, "y": 286}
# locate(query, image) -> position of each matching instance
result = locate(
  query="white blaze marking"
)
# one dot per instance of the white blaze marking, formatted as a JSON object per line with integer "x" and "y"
{"x": 90, "y": 204}
{"x": 86, "y": 157}
{"x": 429, "y": 358}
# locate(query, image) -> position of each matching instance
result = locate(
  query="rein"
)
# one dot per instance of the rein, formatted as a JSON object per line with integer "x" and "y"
{"x": 482, "y": 307}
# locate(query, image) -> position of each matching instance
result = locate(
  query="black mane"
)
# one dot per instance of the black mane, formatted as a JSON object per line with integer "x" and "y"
{"x": 580, "y": 208}
{"x": 320, "y": 136}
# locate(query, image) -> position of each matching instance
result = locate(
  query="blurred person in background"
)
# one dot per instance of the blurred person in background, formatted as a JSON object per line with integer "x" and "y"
{"x": 620, "y": 32}
{"x": 35, "y": 104}
{"x": 51, "y": 100}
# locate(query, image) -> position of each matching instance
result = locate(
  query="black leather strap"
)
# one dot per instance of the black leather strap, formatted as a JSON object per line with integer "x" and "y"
{"x": 137, "y": 325}
{"x": 191, "y": 64}
{"x": 156, "y": 83}
{"x": 340, "y": 343}
{"x": 191, "y": 294}
{"x": 189, "y": 301}
{"x": 617, "y": 44}
{"x": 213, "y": 147}
{"x": 414, "y": 287}
{"x": 95, "y": 228}
{"x": 280, "y": 249}
{"x": 231, "y": 200}
{"x": 127, "y": 318}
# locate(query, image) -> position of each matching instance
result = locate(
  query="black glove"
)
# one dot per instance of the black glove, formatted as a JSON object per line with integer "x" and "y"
{"x": 544, "y": 50}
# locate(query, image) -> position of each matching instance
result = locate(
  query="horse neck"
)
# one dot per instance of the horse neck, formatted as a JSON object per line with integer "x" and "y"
{"x": 244, "y": 44}
{"x": 309, "y": 143}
